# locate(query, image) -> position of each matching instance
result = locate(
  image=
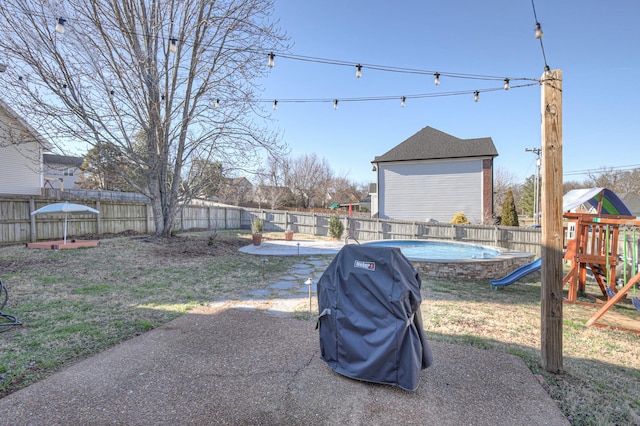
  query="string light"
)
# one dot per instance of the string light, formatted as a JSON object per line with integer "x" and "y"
{"x": 60, "y": 25}
{"x": 60, "y": 28}
{"x": 538, "y": 34}
{"x": 386, "y": 68}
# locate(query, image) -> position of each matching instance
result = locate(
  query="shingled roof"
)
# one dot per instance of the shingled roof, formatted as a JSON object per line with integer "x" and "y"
{"x": 64, "y": 160}
{"x": 431, "y": 144}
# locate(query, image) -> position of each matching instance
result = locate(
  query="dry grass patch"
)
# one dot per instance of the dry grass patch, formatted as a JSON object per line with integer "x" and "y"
{"x": 74, "y": 303}
{"x": 600, "y": 385}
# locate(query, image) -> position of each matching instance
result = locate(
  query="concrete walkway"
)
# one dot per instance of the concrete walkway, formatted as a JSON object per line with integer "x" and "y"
{"x": 257, "y": 362}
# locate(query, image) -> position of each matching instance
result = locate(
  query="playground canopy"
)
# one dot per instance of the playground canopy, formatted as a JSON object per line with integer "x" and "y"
{"x": 603, "y": 201}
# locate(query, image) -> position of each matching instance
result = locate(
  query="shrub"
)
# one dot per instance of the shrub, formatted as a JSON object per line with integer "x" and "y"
{"x": 257, "y": 225}
{"x": 336, "y": 228}
{"x": 460, "y": 218}
{"x": 509, "y": 212}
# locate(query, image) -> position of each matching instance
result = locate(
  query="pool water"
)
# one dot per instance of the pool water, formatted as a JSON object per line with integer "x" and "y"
{"x": 437, "y": 250}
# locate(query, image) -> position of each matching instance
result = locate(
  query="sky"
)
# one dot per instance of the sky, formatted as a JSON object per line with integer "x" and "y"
{"x": 596, "y": 44}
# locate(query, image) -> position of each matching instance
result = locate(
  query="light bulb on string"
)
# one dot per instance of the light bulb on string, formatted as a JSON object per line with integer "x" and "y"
{"x": 358, "y": 71}
{"x": 335, "y": 104}
{"x": 272, "y": 60}
{"x": 60, "y": 25}
{"x": 402, "y": 101}
{"x": 476, "y": 96}
{"x": 539, "y": 32}
{"x": 506, "y": 84}
{"x": 275, "y": 104}
{"x": 436, "y": 79}
{"x": 173, "y": 45}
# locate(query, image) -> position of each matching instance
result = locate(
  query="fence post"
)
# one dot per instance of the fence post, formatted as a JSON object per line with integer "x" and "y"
{"x": 149, "y": 215}
{"x": 32, "y": 207}
{"x": 315, "y": 224}
{"x": 98, "y": 219}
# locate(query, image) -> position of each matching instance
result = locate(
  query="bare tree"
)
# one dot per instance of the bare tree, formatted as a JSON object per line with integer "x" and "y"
{"x": 116, "y": 69}
{"x": 570, "y": 185}
{"x": 309, "y": 177}
{"x": 271, "y": 189}
{"x": 344, "y": 191}
{"x": 619, "y": 181}
{"x": 503, "y": 181}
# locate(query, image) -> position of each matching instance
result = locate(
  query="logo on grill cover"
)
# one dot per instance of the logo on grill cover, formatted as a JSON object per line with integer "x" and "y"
{"x": 369, "y": 266}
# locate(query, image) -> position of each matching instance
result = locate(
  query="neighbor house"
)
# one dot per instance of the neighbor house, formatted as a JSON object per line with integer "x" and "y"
{"x": 432, "y": 176}
{"x": 21, "y": 151}
{"x": 236, "y": 191}
{"x": 61, "y": 171}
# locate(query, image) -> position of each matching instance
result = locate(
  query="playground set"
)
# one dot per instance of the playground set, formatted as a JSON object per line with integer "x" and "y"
{"x": 592, "y": 244}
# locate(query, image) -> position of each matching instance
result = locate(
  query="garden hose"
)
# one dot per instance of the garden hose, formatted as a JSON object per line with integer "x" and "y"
{"x": 6, "y": 321}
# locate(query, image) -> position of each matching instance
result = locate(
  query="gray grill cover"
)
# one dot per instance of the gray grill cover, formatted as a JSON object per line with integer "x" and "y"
{"x": 370, "y": 321}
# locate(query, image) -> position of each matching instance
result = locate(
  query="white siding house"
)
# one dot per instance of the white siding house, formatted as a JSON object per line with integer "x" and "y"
{"x": 433, "y": 175}
{"x": 21, "y": 150}
{"x": 61, "y": 171}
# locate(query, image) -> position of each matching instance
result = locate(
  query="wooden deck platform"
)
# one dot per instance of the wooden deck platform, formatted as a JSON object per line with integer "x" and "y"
{"x": 60, "y": 244}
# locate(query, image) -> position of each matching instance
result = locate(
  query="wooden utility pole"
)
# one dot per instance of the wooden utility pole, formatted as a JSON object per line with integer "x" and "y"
{"x": 552, "y": 234}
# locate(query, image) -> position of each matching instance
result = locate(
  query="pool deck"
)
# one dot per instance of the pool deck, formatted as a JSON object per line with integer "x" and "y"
{"x": 302, "y": 247}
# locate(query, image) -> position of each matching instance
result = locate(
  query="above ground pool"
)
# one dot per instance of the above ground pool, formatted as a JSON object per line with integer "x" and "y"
{"x": 446, "y": 260}
{"x": 438, "y": 250}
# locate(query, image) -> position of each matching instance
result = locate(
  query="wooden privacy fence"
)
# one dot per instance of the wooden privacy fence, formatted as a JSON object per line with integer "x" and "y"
{"x": 116, "y": 216}
{"x": 366, "y": 229}
{"x": 18, "y": 226}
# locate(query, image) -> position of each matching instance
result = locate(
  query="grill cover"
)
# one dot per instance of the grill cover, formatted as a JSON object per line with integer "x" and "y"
{"x": 369, "y": 317}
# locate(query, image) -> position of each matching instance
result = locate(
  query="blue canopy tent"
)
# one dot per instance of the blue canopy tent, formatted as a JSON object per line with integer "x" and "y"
{"x": 601, "y": 200}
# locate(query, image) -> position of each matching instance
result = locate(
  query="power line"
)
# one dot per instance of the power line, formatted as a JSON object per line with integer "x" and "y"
{"x": 601, "y": 170}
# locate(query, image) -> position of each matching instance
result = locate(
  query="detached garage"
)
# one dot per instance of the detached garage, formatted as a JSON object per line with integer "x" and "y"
{"x": 432, "y": 176}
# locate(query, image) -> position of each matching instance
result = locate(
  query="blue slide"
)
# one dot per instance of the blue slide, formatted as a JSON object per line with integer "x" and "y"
{"x": 518, "y": 273}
